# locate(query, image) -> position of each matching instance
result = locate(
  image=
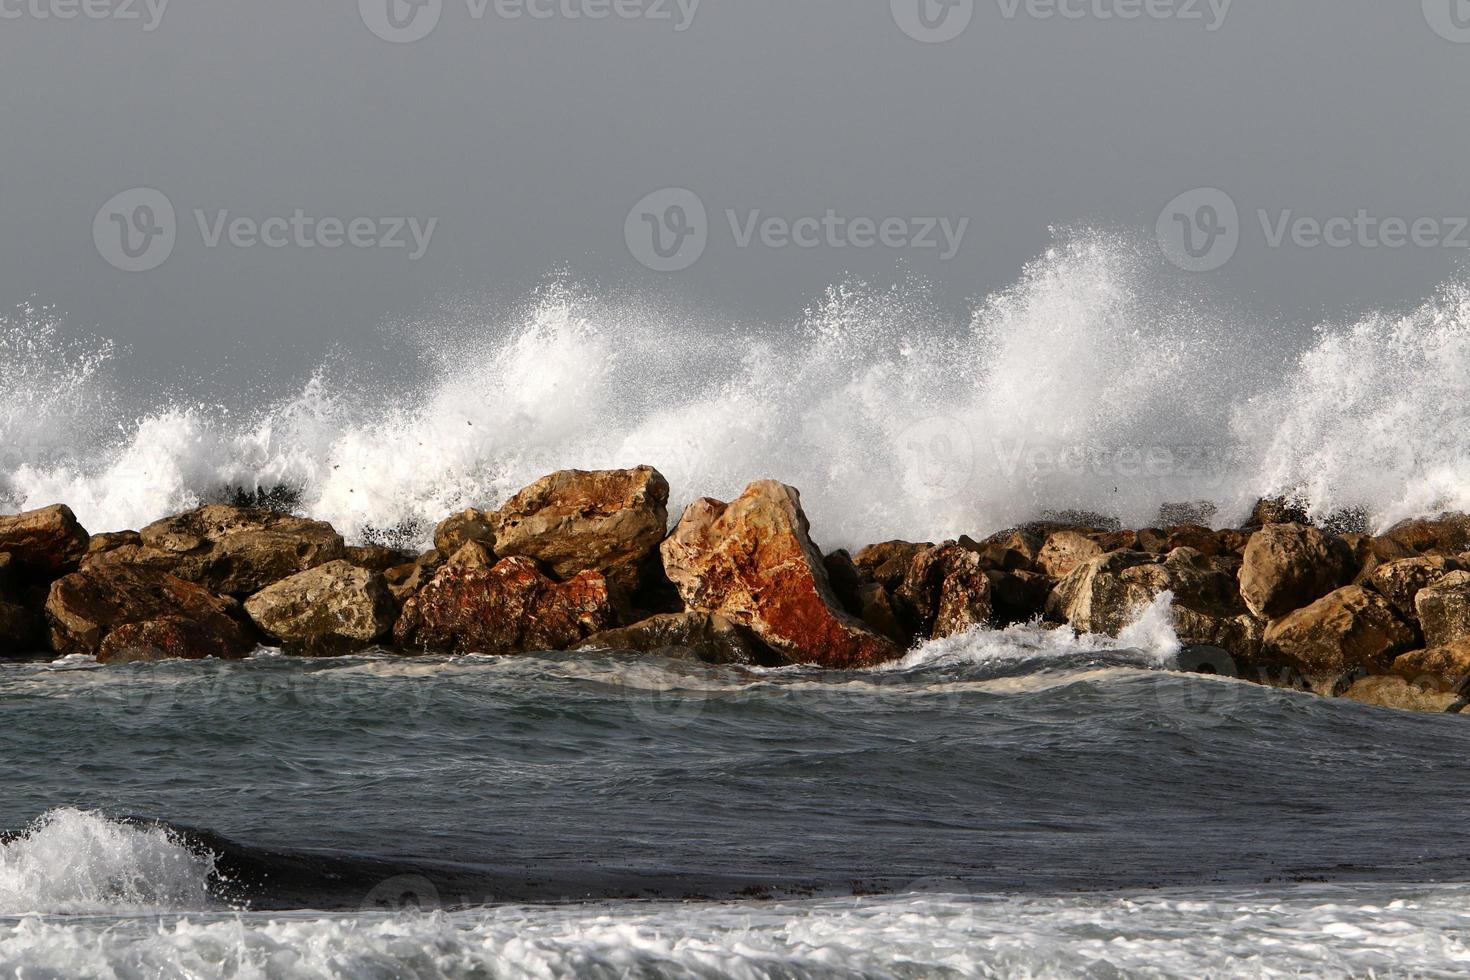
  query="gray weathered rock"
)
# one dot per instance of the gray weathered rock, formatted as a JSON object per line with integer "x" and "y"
{"x": 338, "y": 600}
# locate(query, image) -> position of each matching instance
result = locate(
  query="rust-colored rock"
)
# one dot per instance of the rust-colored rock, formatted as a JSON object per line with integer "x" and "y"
{"x": 706, "y": 637}
{"x": 1444, "y": 609}
{"x": 754, "y": 562}
{"x": 45, "y": 543}
{"x": 338, "y": 600}
{"x": 511, "y": 608}
{"x": 609, "y": 521}
{"x": 164, "y": 639}
{"x": 1348, "y": 630}
{"x": 230, "y": 550}
{"x": 1289, "y": 566}
{"x": 948, "y": 592}
{"x": 87, "y": 605}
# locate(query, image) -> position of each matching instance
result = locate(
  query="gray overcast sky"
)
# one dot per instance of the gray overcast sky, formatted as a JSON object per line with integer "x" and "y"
{"x": 530, "y": 139}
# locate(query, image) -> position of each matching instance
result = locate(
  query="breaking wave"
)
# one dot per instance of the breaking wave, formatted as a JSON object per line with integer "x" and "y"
{"x": 1098, "y": 382}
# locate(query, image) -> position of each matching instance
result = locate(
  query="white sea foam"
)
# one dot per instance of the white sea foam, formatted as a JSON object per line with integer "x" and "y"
{"x": 74, "y": 861}
{"x": 1371, "y": 930}
{"x": 1097, "y": 382}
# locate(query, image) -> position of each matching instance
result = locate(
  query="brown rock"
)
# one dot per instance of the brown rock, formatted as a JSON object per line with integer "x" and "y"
{"x": 44, "y": 544}
{"x": 1449, "y": 534}
{"x": 1288, "y": 566}
{"x": 407, "y": 579}
{"x": 21, "y": 630}
{"x": 1444, "y": 609}
{"x": 375, "y": 557}
{"x": 1446, "y": 667}
{"x": 709, "y": 638}
{"x": 1275, "y": 510}
{"x": 1348, "y": 630}
{"x": 573, "y": 521}
{"x": 164, "y": 639}
{"x": 1106, "y": 594}
{"x": 111, "y": 541}
{"x": 230, "y": 550}
{"x": 876, "y": 609}
{"x": 337, "y": 599}
{"x": 471, "y": 554}
{"x": 948, "y": 591}
{"x": 1400, "y": 581}
{"x": 511, "y": 608}
{"x": 1019, "y": 596}
{"x": 1402, "y": 695}
{"x": 888, "y": 563}
{"x": 1065, "y": 550}
{"x": 456, "y": 531}
{"x": 753, "y": 561}
{"x": 87, "y": 605}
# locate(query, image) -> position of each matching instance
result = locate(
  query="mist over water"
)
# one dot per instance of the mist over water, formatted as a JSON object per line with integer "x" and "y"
{"x": 1099, "y": 381}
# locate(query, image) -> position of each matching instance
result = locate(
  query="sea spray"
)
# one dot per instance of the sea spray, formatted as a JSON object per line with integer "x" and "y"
{"x": 1099, "y": 382}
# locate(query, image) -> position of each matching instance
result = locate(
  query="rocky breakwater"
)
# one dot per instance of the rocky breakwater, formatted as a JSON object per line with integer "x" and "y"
{"x": 587, "y": 560}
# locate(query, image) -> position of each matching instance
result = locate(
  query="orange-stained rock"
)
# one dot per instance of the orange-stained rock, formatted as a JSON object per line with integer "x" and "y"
{"x": 753, "y": 561}
{"x": 511, "y": 608}
{"x": 44, "y": 544}
{"x": 164, "y": 639}
{"x": 87, "y": 605}
{"x": 608, "y": 521}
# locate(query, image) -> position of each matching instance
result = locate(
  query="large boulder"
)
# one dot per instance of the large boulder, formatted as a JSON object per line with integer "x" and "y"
{"x": 1288, "y": 566}
{"x": 1446, "y": 667}
{"x": 1444, "y": 609}
{"x": 707, "y": 637}
{"x": 1403, "y": 695}
{"x": 1065, "y": 550}
{"x": 1402, "y": 580}
{"x": 1448, "y": 534}
{"x": 83, "y": 608}
{"x": 230, "y": 550}
{"x": 44, "y": 544}
{"x": 753, "y": 561}
{"x": 337, "y": 603}
{"x": 947, "y": 591}
{"x": 457, "y": 530}
{"x": 164, "y": 639}
{"x": 1351, "y": 629}
{"x": 511, "y": 608}
{"x": 574, "y": 521}
{"x": 1106, "y": 594}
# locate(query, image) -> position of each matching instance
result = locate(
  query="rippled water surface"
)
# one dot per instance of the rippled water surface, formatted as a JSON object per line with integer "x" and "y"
{"x": 1021, "y": 803}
